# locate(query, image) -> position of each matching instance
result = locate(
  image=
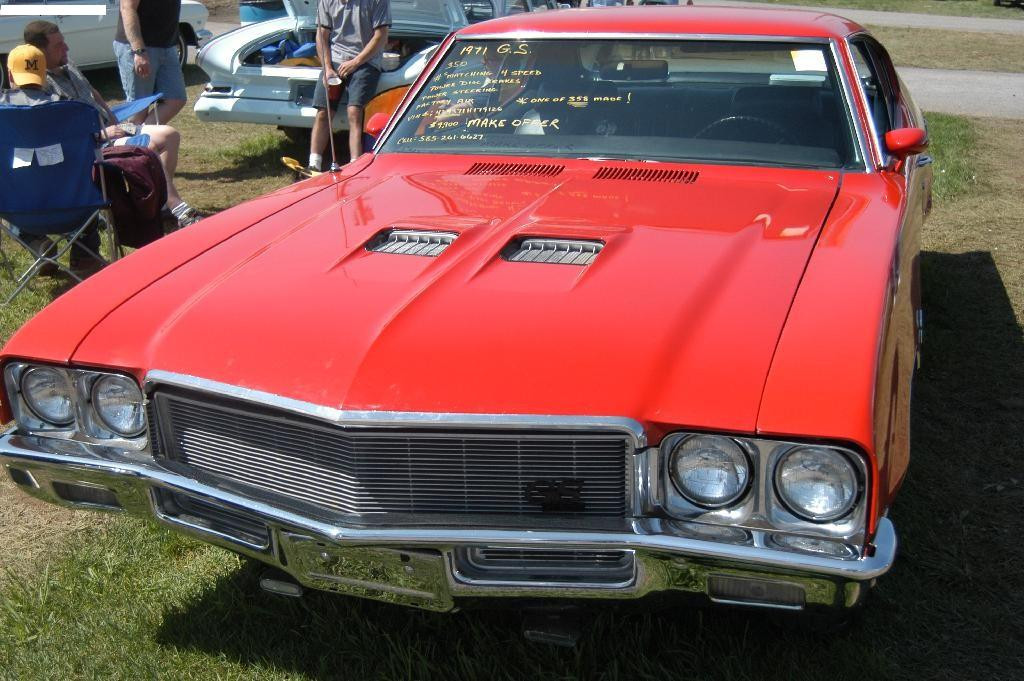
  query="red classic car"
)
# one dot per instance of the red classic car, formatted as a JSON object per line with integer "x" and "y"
{"x": 624, "y": 303}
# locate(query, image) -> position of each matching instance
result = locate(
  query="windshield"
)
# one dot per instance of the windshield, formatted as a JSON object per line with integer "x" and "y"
{"x": 669, "y": 100}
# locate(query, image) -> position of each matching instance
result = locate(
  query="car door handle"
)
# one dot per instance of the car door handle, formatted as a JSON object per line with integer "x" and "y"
{"x": 924, "y": 160}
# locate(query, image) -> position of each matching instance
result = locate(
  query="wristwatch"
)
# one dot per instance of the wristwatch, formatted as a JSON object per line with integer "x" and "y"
{"x": 141, "y": 50}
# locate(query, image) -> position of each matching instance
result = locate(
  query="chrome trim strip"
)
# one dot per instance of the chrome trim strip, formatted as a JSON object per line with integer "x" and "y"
{"x": 617, "y": 35}
{"x": 877, "y": 153}
{"x": 34, "y": 450}
{"x": 851, "y": 107}
{"x": 755, "y": 604}
{"x": 402, "y": 419}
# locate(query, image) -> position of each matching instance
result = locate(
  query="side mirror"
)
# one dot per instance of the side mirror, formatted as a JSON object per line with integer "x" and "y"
{"x": 904, "y": 142}
{"x": 375, "y": 126}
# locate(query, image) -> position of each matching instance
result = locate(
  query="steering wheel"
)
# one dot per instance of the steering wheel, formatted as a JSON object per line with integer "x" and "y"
{"x": 782, "y": 136}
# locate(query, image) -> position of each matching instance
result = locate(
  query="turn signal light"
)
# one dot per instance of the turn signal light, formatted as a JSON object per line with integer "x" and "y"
{"x": 386, "y": 102}
{"x": 762, "y": 592}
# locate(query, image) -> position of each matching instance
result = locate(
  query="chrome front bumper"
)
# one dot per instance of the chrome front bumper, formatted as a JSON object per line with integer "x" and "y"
{"x": 416, "y": 563}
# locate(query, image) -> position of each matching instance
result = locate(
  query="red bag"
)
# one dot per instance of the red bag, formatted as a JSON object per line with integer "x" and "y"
{"x": 137, "y": 192}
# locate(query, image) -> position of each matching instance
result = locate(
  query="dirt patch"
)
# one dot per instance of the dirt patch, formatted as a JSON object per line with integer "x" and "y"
{"x": 34, "y": 529}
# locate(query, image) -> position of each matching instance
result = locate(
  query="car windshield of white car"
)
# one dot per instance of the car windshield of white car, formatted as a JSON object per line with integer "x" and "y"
{"x": 720, "y": 101}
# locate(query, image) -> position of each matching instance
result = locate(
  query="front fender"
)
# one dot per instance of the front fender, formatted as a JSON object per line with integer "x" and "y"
{"x": 825, "y": 375}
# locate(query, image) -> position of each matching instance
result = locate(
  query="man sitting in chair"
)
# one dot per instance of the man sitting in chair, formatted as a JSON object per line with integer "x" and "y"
{"x": 64, "y": 79}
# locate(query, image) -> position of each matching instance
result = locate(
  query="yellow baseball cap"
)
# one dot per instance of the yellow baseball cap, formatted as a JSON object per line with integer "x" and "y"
{"x": 27, "y": 66}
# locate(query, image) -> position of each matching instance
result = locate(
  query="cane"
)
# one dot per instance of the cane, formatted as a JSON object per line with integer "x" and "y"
{"x": 332, "y": 82}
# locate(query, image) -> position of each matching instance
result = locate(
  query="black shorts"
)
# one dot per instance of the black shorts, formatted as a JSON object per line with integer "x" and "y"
{"x": 356, "y": 90}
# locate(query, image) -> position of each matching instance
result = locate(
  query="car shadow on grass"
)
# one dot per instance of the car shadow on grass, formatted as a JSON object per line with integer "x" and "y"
{"x": 255, "y": 159}
{"x": 325, "y": 636}
{"x": 260, "y": 157}
{"x": 951, "y": 605}
{"x": 949, "y": 608}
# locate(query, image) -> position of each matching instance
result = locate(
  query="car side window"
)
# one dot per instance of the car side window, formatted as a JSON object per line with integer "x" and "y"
{"x": 874, "y": 73}
{"x": 518, "y": 7}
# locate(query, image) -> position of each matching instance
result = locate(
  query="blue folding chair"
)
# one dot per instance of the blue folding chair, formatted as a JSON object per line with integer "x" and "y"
{"x": 128, "y": 109}
{"x": 47, "y": 191}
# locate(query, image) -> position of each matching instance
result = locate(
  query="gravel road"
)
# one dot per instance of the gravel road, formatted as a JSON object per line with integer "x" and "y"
{"x": 1013, "y": 24}
{"x": 974, "y": 93}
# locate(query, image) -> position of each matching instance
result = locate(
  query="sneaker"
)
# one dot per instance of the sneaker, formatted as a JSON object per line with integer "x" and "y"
{"x": 189, "y": 216}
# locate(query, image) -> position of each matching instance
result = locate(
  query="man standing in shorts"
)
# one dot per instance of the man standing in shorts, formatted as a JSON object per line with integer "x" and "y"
{"x": 146, "y": 47}
{"x": 350, "y": 36}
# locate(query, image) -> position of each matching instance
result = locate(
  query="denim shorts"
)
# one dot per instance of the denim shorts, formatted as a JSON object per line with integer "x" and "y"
{"x": 164, "y": 72}
{"x": 357, "y": 90}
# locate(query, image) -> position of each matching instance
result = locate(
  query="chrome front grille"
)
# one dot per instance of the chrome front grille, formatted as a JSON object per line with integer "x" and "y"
{"x": 366, "y": 471}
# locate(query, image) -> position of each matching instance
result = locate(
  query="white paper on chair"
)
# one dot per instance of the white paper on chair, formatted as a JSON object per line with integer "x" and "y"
{"x": 50, "y": 156}
{"x": 22, "y": 157}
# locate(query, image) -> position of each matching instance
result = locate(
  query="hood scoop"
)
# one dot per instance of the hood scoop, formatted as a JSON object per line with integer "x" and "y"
{"x": 552, "y": 251}
{"x": 529, "y": 169}
{"x": 647, "y": 175}
{"x": 411, "y": 242}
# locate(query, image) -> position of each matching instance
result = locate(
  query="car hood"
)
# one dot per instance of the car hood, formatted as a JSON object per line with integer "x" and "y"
{"x": 675, "y": 321}
{"x": 435, "y": 16}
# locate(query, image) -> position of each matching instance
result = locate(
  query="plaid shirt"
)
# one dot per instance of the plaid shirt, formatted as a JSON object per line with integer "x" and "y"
{"x": 69, "y": 83}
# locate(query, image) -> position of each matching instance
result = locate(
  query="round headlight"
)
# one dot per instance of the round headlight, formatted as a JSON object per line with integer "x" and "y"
{"x": 118, "y": 404}
{"x": 47, "y": 393}
{"x": 816, "y": 483}
{"x": 710, "y": 471}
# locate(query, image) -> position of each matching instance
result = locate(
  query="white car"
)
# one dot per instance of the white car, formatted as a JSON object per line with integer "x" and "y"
{"x": 244, "y": 87}
{"x": 90, "y": 38}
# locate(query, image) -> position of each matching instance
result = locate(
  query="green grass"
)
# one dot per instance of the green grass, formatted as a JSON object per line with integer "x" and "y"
{"x": 964, "y": 8}
{"x": 128, "y": 600}
{"x": 953, "y": 142}
{"x": 149, "y": 604}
